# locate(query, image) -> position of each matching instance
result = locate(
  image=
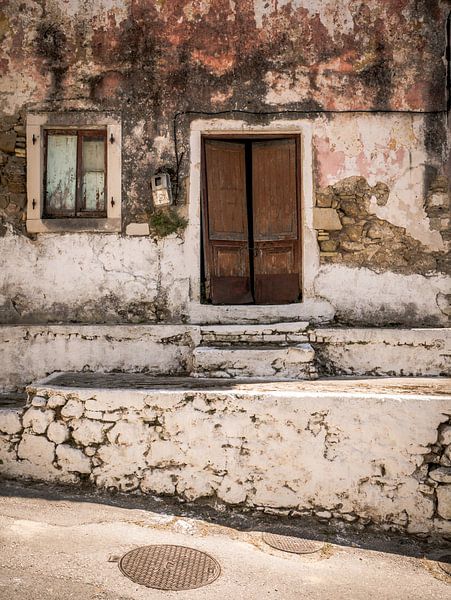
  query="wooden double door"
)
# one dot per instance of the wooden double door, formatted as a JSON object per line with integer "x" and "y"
{"x": 251, "y": 220}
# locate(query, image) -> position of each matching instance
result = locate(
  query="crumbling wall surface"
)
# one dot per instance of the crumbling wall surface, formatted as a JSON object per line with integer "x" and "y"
{"x": 151, "y": 61}
{"x": 285, "y": 453}
{"x": 98, "y": 278}
{"x": 382, "y": 351}
{"x": 382, "y": 216}
{"x": 29, "y": 353}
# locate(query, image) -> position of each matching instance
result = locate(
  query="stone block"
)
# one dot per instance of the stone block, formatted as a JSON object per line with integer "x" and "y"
{"x": 37, "y": 449}
{"x": 56, "y": 401}
{"x": 38, "y": 419}
{"x": 328, "y": 245}
{"x": 73, "y": 459}
{"x": 323, "y": 200}
{"x": 158, "y": 481}
{"x": 231, "y": 491}
{"x": 444, "y": 501}
{"x": 73, "y": 409}
{"x": 137, "y": 229}
{"x": 8, "y": 141}
{"x": 445, "y": 459}
{"x": 327, "y": 219}
{"x": 441, "y": 474}
{"x": 58, "y": 432}
{"x": 127, "y": 434}
{"x": 10, "y": 420}
{"x": 87, "y": 432}
{"x": 445, "y": 435}
{"x": 39, "y": 401}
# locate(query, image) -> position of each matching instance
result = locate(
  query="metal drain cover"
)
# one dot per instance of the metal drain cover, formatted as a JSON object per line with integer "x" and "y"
{"x": 166, "y": 567}
{"x": 444, "y": 562}
{"x": 292, "y": 544}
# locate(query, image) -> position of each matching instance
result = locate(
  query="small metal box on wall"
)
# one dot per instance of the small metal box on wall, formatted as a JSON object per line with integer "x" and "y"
{"x": 161, "y": 189}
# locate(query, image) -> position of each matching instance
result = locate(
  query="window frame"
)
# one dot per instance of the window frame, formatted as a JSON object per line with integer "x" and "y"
{"x": 78, "y": 211}
{"x": 38, "y": 126}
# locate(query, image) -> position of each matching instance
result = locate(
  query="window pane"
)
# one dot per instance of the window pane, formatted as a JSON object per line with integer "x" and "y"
{"x": 61, "y": 172}
{"x": 93, "y": 174}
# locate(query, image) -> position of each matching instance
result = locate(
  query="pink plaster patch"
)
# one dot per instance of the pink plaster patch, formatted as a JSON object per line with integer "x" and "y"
{"x": 363, "y": 165}
{"x": 329, "y": 163}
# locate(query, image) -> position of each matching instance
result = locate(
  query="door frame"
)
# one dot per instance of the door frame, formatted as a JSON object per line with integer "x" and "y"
{"x": 206, "y": 254}
{"x": 311, "y": 305}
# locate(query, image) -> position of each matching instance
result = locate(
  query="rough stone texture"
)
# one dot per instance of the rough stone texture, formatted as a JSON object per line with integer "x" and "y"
{"x": 38, "y": 419}
{"x": 365, "y": 240}
{"x": 441, "y": 474}
{"x": 86, "y": 432}
{"x": 72, "y": 409}
{"x": 281, "y": 362}
{"x": 10, "y": 421}
{"x": 56, "y": 401}
{"x": 58, "y": 432}
{"x": 341, "y": 351}
{"x": 280, "y": 447}
{"x": 36, "y": 449}
{"x": 444, "y": 501}
{"x": 445, "y": 435}
{"x": 72, "y": 459}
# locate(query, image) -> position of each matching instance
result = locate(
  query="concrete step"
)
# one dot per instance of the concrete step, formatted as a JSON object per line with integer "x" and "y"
{"x": 276, "y": 362}
{"x": 274, "y": 333}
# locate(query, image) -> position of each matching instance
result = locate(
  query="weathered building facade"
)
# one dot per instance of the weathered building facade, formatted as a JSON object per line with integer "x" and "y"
{"x": 361, "y": 85}
{"x": 229, "y": 188}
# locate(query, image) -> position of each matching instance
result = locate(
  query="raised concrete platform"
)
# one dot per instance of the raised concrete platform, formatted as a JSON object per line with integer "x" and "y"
{"x": 362, "y": 450}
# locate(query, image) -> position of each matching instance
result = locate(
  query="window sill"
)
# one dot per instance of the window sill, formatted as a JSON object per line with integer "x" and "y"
{"x": 73, "y": 225}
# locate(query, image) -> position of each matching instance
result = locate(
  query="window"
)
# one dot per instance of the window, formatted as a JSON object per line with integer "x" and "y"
{"x": 73, "y": 172}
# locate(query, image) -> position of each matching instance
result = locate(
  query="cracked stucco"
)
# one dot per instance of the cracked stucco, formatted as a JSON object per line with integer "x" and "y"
{"x": 261, "y": 450}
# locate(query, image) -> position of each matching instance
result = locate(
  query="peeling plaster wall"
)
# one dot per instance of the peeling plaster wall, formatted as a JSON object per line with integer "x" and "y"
{"x": 150, "y": 60}
{"x": 283, "y": 452}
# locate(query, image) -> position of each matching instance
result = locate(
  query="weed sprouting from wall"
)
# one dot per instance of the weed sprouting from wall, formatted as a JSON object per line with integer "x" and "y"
{"x": 165, "y": 222}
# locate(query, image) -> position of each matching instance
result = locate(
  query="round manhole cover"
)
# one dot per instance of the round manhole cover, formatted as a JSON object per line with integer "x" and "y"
{"x": 292, "y": 544}
{"x": 166, "y": 567}
{"x": 444, "y": 562}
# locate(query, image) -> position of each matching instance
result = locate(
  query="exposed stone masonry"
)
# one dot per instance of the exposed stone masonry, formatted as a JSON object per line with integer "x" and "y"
{"x": 13, "y": 196}
{"x": 280, "y": 450}
{"x": 357, "y": 237}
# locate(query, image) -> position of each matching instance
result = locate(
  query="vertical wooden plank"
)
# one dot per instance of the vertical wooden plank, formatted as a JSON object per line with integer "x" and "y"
{"x": 275, "y": 221}
{"x": 226, "y": 224}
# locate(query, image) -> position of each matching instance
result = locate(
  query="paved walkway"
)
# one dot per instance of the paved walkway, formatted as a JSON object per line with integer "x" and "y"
{"x": 56, "y": 545}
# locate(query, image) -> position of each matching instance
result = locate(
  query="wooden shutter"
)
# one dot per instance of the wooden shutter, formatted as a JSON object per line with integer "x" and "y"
{"x": 225, "y": 224}
{"x": 275, "y": 221}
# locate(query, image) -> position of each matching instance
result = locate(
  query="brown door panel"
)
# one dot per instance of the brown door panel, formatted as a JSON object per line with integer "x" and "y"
{"x": 276, "y": 272}
{"x": 230, "y": 274}
{"x": 226, "y": 227}
{"x": 276, "y": 289}
{"x": 226, "y": 189}
{"x": 275, "y": 222}
{"x": 274, "y": 190}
